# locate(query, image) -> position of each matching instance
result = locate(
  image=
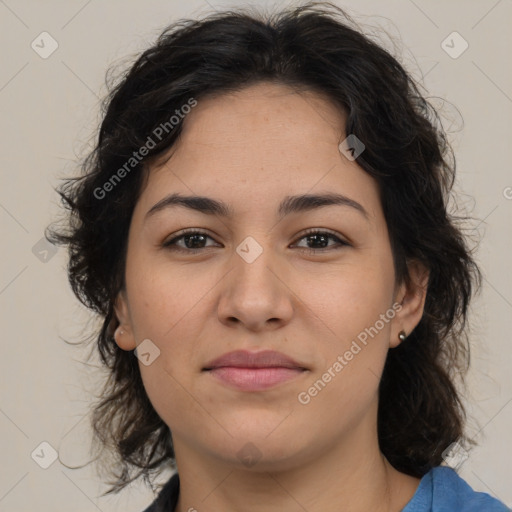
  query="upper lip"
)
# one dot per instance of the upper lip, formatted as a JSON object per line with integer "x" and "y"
{"x": 247, "y": 359}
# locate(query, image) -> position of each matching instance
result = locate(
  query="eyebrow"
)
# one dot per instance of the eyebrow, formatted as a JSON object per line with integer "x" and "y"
{"x": 289, "y": 205}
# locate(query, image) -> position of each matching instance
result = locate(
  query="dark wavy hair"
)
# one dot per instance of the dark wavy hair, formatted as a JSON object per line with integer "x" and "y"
{"x": 315, "y": 47}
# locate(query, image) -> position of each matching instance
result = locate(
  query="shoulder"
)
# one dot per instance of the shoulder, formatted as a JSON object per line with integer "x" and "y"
{"x": 448, "y": 484}
{"x": 443, "y": 490}
{"x": 167, "y": 497}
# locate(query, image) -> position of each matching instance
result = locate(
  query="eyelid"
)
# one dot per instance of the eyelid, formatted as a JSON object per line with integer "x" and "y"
{"x": 334, "y": 234}
{"x": 184, "y": 232}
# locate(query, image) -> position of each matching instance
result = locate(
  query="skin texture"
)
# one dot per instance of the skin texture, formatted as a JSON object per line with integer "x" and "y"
{"x": 250, "y": 149}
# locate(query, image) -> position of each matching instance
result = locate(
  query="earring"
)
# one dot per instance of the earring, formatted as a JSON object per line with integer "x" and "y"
{"x": 118, "y": 332}
{"x": 402, "y": 336}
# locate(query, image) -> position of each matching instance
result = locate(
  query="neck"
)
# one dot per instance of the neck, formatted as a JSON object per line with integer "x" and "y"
{"x": 351, "y": 474}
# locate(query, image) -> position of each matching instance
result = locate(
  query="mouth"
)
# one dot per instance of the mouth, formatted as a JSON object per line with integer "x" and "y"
{"x": 254, "y": 371}
{"x": 256, "y": 360}
{"x": 255, "y": 379}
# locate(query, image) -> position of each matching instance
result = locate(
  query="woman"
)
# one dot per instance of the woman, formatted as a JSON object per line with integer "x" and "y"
{"x": 264, "y": 224}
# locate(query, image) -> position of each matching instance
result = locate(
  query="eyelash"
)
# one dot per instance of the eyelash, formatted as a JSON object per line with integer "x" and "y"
{"x": 171, "y": 244}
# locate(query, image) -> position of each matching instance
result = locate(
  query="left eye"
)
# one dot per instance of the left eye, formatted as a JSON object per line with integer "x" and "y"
{"x": 192, "y": 239}
{"x": 322, "y": 236}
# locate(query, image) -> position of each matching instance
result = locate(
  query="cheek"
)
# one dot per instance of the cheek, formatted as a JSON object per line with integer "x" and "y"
{"x": 347, "y": 299}
{"x": 165, "y": 308}
{"x": 171, "y": 319}
{"x": 164, "y": 295}
{"x": 354, "y": 342}
{"x": 353, "y": 316}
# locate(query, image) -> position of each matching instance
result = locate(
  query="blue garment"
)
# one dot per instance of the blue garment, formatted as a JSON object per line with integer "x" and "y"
{"x": 440, "y": 490}
{"x": 443, "y": 490}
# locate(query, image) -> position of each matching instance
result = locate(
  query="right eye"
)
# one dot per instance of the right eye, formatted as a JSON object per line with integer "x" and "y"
{"x": 191, "y": 238}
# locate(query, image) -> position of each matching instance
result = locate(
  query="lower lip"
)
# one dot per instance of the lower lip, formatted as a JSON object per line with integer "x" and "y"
{"x": 255, "y": 379}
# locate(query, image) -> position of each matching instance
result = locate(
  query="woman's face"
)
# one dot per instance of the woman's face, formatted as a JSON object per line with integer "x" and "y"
{"x": 248, "y": 282}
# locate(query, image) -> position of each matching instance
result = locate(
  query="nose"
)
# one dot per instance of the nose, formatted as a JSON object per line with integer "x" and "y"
{"x": 255, "y": 293}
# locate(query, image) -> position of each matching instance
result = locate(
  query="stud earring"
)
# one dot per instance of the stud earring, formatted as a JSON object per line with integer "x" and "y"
{"x": 402, "y": 336}
{"x": 118, "y": 332}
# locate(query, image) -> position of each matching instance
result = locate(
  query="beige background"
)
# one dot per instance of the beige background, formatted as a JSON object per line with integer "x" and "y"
{"x": 48, "y": 111}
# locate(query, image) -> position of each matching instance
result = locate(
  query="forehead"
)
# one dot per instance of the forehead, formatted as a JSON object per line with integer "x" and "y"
{"x": 265, "y": 110}
{"x": 260, "y": 143}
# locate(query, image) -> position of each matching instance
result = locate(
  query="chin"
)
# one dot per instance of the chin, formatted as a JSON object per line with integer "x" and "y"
{"x": 261, "y": 452}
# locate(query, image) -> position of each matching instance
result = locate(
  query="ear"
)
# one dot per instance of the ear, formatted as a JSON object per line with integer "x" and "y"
{"x": 411, "y": 297}
{"x": 123, "y": 335}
